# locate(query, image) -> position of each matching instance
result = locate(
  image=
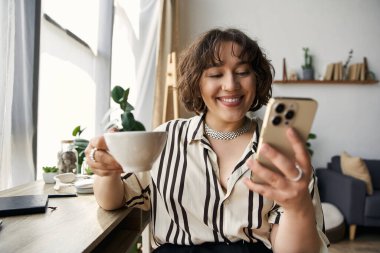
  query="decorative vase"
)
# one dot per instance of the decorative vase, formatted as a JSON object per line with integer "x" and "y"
{"x": 308, "y": 74}
{"x": 67, "y": 157}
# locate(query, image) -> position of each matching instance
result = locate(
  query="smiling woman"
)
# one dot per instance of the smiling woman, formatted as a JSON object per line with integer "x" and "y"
{"x": 222, "y": 76}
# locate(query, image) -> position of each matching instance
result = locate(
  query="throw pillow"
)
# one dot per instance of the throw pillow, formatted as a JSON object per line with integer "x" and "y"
{"x": 356, "y": 167}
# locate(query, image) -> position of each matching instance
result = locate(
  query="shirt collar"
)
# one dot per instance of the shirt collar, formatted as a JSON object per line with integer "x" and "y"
{"x": 196, "y": 128}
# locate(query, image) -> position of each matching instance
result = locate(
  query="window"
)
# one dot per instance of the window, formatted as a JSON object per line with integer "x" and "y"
{"x": 72, "y": 75}
{"x": 75, "y": 67}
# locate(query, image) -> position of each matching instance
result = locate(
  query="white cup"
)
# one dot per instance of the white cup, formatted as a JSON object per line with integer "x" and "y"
{"x": 135, "y": 151}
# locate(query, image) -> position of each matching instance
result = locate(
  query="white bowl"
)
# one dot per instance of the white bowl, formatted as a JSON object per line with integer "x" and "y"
{"x": 65, "y": 177}
{"x": 135, "y": 151}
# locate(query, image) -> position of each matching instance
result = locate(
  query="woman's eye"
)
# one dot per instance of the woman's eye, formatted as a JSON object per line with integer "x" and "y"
{"x": 216, "y": 75}
{"x": 242, "y": 73}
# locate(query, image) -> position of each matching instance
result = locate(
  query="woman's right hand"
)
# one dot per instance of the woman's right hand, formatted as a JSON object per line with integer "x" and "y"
{"x": 101, "y": 163}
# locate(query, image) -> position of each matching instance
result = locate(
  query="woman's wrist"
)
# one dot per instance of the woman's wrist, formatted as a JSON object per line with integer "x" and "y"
{"x": 109, "y": 191}
{"x": 304, "y": 210}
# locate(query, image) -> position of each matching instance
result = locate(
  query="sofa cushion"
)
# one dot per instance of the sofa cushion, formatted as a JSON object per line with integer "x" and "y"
{"x": 374, "y": 171}
{"x": 372, "y": 205}
{"x": 356, "y": 167}
{"x": 335, "y": 164}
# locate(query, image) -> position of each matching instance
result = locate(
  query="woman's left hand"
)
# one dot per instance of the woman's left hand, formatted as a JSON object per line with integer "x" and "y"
{"x": 287, "y": 190}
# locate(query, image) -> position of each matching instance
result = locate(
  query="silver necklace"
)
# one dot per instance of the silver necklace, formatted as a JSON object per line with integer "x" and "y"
{"x": 228, "y": 135}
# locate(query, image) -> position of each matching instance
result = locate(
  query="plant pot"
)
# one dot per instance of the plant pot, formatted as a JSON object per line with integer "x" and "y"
{"x": 308, "y": 74}
{"x": 49, "y": 177}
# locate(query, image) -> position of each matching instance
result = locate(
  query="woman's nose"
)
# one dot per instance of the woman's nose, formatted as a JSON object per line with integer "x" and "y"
{"x": 230, "y": 83}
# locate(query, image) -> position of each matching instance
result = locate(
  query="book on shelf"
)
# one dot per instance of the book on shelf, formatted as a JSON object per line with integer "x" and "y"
{"x": 353, "y": 71}
{"x": 338, "y": 71}
{"x": 334, "y": 72}
{"x": 329, "y": 72}
{"x": 362, "y": 72}
{"x": 365, "y": 63}
{"x": 356, "y": 72}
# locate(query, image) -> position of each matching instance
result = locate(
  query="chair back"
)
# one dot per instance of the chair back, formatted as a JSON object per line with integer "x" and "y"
{"x": 373, "y": 168}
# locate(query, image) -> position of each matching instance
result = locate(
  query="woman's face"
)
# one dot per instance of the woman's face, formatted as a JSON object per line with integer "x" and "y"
{"x": 229, "y": 88}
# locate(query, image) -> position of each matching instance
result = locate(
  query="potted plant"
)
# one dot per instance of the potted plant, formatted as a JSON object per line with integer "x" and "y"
{"x": 128, "y": 122}
{"x": 307, "y": 68}
{"x": 49, "y": 174}
{"x": 80, "y": 145}
{"x": 88, "y": 171}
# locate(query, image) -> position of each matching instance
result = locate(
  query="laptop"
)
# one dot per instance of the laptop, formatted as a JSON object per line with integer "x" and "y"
{"x": 24, "y": 204}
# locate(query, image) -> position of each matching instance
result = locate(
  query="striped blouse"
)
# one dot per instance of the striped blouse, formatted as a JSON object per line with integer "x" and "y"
{"x": 187, "y": 202}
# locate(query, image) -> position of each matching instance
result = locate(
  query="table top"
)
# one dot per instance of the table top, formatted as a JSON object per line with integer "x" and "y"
{"x": 77, "y": 224}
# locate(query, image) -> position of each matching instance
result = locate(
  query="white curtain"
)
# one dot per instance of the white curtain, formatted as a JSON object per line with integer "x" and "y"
{"x": 16, "y": 92}
{"x": 7, "y": 26}
{"x": 134, "y": 49}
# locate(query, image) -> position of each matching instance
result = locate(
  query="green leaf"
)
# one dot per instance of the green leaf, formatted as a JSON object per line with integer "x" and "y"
{"x": 50, "y": 169}
{"x": 89, "y": 171}
{"x": 117, "y": 94}
{"x": 76, "y": 130}
{"x": 81, "y": 153}
{"x": 128, "y": 107}
{"x": 312, "y": 136}
{"x": 126, "y": 95}
{"x": 130, "y": 124}
{"x": 124, "y": 104}
{"x": 127, "y": 121}
{"x": 138, "y": 126}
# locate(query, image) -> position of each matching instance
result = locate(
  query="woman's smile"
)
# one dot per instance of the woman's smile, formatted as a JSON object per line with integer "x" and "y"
{"x": 230, "y": 101}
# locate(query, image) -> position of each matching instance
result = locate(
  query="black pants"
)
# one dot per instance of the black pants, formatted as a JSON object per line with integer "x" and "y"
{"x": 237, "y": 247}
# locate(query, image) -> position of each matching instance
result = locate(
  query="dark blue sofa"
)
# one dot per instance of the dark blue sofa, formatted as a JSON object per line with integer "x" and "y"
{"x": 349, "y": 194}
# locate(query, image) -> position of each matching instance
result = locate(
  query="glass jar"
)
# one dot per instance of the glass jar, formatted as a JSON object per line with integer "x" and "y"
{"x": 67, "y": 157}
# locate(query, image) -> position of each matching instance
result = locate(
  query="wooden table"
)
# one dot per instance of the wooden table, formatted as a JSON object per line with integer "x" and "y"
{"x": 78, "y": 224}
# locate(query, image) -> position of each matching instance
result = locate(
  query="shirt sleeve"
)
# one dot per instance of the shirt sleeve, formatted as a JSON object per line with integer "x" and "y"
{"x": 277, "y": 211}
{"x": 137, "y": 190}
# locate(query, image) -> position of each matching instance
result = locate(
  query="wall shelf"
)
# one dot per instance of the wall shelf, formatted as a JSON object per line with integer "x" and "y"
{"x": 367, "y": 82}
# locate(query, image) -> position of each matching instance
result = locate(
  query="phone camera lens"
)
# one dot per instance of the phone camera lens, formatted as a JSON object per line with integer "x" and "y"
{"x": 280, "y": 108}
{"x": 276, "y": 120}
{"x": 289, "y": 114}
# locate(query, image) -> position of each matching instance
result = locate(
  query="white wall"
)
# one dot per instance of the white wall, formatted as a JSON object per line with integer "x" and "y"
{"x": 349, "y": 115}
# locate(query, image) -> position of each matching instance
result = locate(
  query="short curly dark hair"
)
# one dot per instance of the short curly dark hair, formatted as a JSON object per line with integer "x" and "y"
{"x": 203, "y": 53}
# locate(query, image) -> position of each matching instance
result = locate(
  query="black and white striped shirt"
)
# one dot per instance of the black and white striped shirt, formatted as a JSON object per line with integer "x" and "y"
{"x": 187, "y": 202}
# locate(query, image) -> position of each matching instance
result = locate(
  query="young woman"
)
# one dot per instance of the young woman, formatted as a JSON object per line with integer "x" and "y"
{"x": 199, "y": 190}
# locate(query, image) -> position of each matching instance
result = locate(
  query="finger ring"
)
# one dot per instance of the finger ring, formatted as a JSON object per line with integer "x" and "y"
{"x": 299, "y": 176}
{"x": 92, "y": 154}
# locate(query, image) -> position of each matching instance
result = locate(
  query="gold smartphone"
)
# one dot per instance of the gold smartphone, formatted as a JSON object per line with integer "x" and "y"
{"x": 281, "y": 113}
